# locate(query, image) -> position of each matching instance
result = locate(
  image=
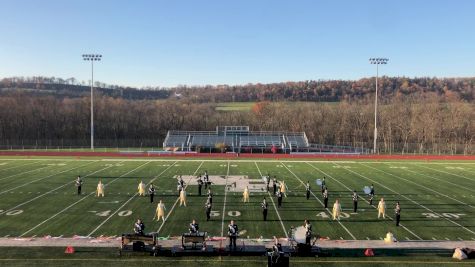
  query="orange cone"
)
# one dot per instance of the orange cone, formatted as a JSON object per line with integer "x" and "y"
{"x": 69, "y": 250}
{"x": 369, "y": 252}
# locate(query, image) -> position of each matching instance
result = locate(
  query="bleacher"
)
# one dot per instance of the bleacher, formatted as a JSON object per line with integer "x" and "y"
{"x": 238, "y": 139}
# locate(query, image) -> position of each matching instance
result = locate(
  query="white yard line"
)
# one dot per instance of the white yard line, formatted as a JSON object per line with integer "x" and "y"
{"x": 130, "y": 199}
{"x": 16, "y": 174}
{"x": 438, "y": 179}
{"x": 425, "y": 187}
{"x": 44, "y": 194}
{"x": 415, "y": 202}
{"x": 328, "y": 210}
{"x": 273, "y": 203}
{"x": 65, "y": 209}
{"x": 178, "y": 199}
{"x": 349, "y": 189}
{"x": 22, "y": 165}
{"x": 42, "y": 178}
{"x": 449, "y": 173}
{"x": 224, "y": 204}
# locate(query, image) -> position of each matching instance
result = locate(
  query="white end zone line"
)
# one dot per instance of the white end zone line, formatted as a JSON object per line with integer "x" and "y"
{"x": 273, "y": 203}
{"x": 130, "y": 199}
{"x": 176, "y": 202}
{"x": 411, "y": 200}
{"x": 349, "y": 189}
{"x": 425, "y": 187}
{"x": 454, "y": 174}
{"x": 65, "y": 209}
{"x": 22, "y": 165}
{"x": 328, "y": 210}
{"x": 39, "y": 179}
{"x": 44, "y": 194}
{"x": 224, "y": 204}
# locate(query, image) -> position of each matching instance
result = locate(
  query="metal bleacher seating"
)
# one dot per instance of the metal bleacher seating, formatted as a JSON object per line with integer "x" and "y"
{"x": 260, "y": 141}
{"x": 210, "y": 140}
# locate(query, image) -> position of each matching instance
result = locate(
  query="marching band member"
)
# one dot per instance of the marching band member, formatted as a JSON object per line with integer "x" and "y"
{"x": 397, "y": 210}
{"x": 325, "y": 197}
{"x": 355, "y": 201}
{"x": 200, "y": 184}
{"x": 151, "y": 192}
{"x": 139, "y": 227}
{"x": 193, "y": 227}
{"x": 382, "y": 208}
{"x": 308, "y": 232}
{"x": 100, "y": 189}
{"x": 232, "y": 233}
{"x": 160, "y": 211}
{"x": 208, "y": 210}
{"x": 279, "y": 198}
{"x": 79, "y": 184}
{"x": 245, "y": 195}
{"x": 264, "y": 207}
{"x": 307, "y": 189}
{"x": 336, "y": 210}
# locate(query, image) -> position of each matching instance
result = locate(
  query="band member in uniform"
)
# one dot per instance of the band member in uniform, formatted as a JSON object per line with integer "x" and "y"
{"x": 139, "y": 227}
{"x": 279, "y": 198}
{"x": 79, "y": 184}
{"x": 200, "y": 184}
{"x": 307, "y": 189}
{"x": 206, "y": 179}
{"x": 181, "y": 185}
{"x": 160, "y": 211}
{"x": 336, "y": 210}
{"x": 193, "y": 227}
{"x": 397, "y": 210}
{"x": 183, "y": 197}
{"x": 141, "y": 188}
{"x": 325, "y": 197}
{"x": 210, "y": 197}
{"x": 324, "y": 184}
{"x": 274, "y": 185}
{"x": 100, "y": 189}
{"x": 355, "y": 201}
{"x": 382, "y": 208}
{"x": 268, "y": 181}
{"x": 232, "y": 233}
{"x": 245, "y": 195}
{"x": 283, "y": 188}
{"x": 371, "y": 195}
{"x": 151, "y": 192}
{"x": 208, "y": 210}
{"x": 264, "y": 206}
{"x": 308, "y": 232}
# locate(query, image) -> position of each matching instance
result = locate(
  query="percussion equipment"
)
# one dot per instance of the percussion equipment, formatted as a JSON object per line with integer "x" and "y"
{"x": 318, "y": 182}
{"x": 367, "y": 190}
{"x": 299, "y": 234}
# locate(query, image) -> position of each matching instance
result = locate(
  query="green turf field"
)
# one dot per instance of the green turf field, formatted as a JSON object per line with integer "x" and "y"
{"x": 38, "y": 197}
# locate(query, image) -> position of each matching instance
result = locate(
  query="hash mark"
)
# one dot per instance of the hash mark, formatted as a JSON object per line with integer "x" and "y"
{"x": 367, "y": 238}
{"x": 433, "y": 238}
{"x": 447, "y": 239}
{"x": 459, "y": 238}
{"x": 408, "y": 239}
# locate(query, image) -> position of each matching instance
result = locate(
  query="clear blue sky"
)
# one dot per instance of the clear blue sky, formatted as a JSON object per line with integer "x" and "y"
{"x": 197, "y": 42}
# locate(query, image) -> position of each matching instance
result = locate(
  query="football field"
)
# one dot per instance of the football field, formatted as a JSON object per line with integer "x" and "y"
{"x": 38, "y": 197}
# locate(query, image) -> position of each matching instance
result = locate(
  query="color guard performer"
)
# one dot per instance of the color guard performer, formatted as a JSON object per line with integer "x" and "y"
{"x": 264, "y": 206}
{"x": 397, "y": 210}
{"x": 79, "y": 184}
{"x": 141, "y": 188}
{"x": 100, "y": 189}
{"x": 382, "y": 208}
{"x": 355, "y": 201}
{"x": 183, "y": 197}
{"x": 325, "y": 197}
{"x": 151, "y": 192}
{"x": 160, "y": 211}
{"x": 245, "y": 195}
{"x": 336, "y": 210}
{"x": 283, "y": 188}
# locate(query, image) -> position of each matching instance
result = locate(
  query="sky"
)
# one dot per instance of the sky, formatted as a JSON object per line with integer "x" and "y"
{"x": 200, "y": 42}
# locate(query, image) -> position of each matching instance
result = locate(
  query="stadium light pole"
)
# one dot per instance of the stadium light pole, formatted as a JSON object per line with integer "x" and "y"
{"x": 377, "y": 62}
{"x": 92, "y": 58}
